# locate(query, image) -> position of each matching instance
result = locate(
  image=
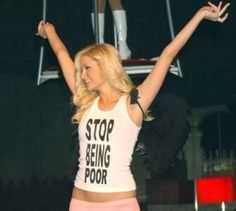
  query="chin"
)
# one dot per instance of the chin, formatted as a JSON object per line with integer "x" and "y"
{"x": 89, "y": 88}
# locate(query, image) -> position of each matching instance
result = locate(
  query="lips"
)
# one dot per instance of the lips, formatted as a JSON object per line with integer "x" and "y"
{"x": 86, "y": 81}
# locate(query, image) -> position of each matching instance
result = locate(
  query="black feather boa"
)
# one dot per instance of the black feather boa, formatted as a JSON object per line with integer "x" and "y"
{"x": 165, "y": 136}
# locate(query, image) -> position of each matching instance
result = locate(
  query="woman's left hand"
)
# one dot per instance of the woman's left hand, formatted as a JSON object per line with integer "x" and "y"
{"x": 215, "y": 13}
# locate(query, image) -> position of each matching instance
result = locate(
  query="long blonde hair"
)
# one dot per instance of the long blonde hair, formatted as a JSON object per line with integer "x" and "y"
{"x": 109, "y": 62}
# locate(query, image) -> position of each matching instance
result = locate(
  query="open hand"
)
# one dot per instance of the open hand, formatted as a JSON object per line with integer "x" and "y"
{"x": 216, "y": 13}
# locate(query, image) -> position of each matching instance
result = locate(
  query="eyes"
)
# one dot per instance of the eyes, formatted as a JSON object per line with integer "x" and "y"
{"x": 85, "y": 68}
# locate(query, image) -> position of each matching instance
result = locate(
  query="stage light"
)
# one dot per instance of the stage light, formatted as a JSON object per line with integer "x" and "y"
{"x": 215, "y": 190}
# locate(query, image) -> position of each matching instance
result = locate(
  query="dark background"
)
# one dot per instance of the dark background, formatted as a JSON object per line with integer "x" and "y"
{"x": 37, "y": 140}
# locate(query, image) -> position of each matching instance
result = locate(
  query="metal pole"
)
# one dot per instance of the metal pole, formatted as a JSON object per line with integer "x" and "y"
{"x": 44, "y": 8}
{"x": 96, "y": 21}
{"x": 219, "y": 133}
{"x": 195, "y": 196}
{"x": 172, "y": 33}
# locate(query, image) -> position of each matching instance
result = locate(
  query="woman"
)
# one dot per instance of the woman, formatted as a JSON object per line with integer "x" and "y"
{"x": 120, "y": 22}
{"x": 109, "y": 118}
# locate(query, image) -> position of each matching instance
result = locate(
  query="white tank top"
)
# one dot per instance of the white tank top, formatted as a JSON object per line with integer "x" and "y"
{"x": 107, "y": 140}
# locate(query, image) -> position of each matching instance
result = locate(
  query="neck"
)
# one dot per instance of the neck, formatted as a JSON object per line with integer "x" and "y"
{"x": 107, "y": 100}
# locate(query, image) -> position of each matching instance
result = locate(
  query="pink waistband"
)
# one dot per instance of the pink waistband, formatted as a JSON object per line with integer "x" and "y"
{"x": 105, "y": 204}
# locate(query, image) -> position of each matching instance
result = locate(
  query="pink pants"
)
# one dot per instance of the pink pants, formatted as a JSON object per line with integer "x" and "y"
{"x": 130, "y": 204}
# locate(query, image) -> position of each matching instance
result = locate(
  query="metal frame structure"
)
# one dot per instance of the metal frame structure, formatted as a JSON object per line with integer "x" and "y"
{"x": 41, "y": 78}
{"x": 44, "y": 75}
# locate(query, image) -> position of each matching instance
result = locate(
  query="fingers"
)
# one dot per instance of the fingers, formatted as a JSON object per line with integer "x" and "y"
{"x": 221, "y": 20}
{"x": 212, "y": 5}
{"x": 219, "y": 7}
{"x": 219, "y": 11}
{"x": 215, "y": 9}
{"x": 41, "y": 32}
{"x": 39, "y": 25}
{"x": 223, "y": 9}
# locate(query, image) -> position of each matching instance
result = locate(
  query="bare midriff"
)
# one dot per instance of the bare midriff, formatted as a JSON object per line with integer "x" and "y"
{"x": 101, "y": 197}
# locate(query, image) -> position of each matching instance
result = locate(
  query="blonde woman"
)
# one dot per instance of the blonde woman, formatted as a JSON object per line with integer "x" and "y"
{"x": 109, "y": 117}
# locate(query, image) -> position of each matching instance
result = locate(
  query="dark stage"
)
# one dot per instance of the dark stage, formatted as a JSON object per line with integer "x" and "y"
{"x": 38, "y": 142}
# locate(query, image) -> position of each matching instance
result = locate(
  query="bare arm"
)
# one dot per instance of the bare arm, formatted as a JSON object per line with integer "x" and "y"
{"x": 152, "y": 84}
{"x": 47, "y": 30}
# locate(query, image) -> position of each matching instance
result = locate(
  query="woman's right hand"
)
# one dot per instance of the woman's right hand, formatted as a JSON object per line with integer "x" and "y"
{"x": 42, "y": 29}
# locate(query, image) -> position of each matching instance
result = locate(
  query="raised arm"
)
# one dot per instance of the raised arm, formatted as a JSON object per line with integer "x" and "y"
{"x": 47, "y": 31}
{"x": 152, "y": 84}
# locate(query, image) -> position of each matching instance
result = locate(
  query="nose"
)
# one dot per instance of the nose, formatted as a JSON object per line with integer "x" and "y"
{"x": 83, "y": 74}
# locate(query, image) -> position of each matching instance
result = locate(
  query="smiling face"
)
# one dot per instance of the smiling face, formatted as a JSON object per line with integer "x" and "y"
{"x": 91, "y": 74}
{"x": 98, "y": 69}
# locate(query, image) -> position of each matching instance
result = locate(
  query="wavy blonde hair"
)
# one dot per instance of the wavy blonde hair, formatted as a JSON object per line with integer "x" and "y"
{"x": 109, "y": 62}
